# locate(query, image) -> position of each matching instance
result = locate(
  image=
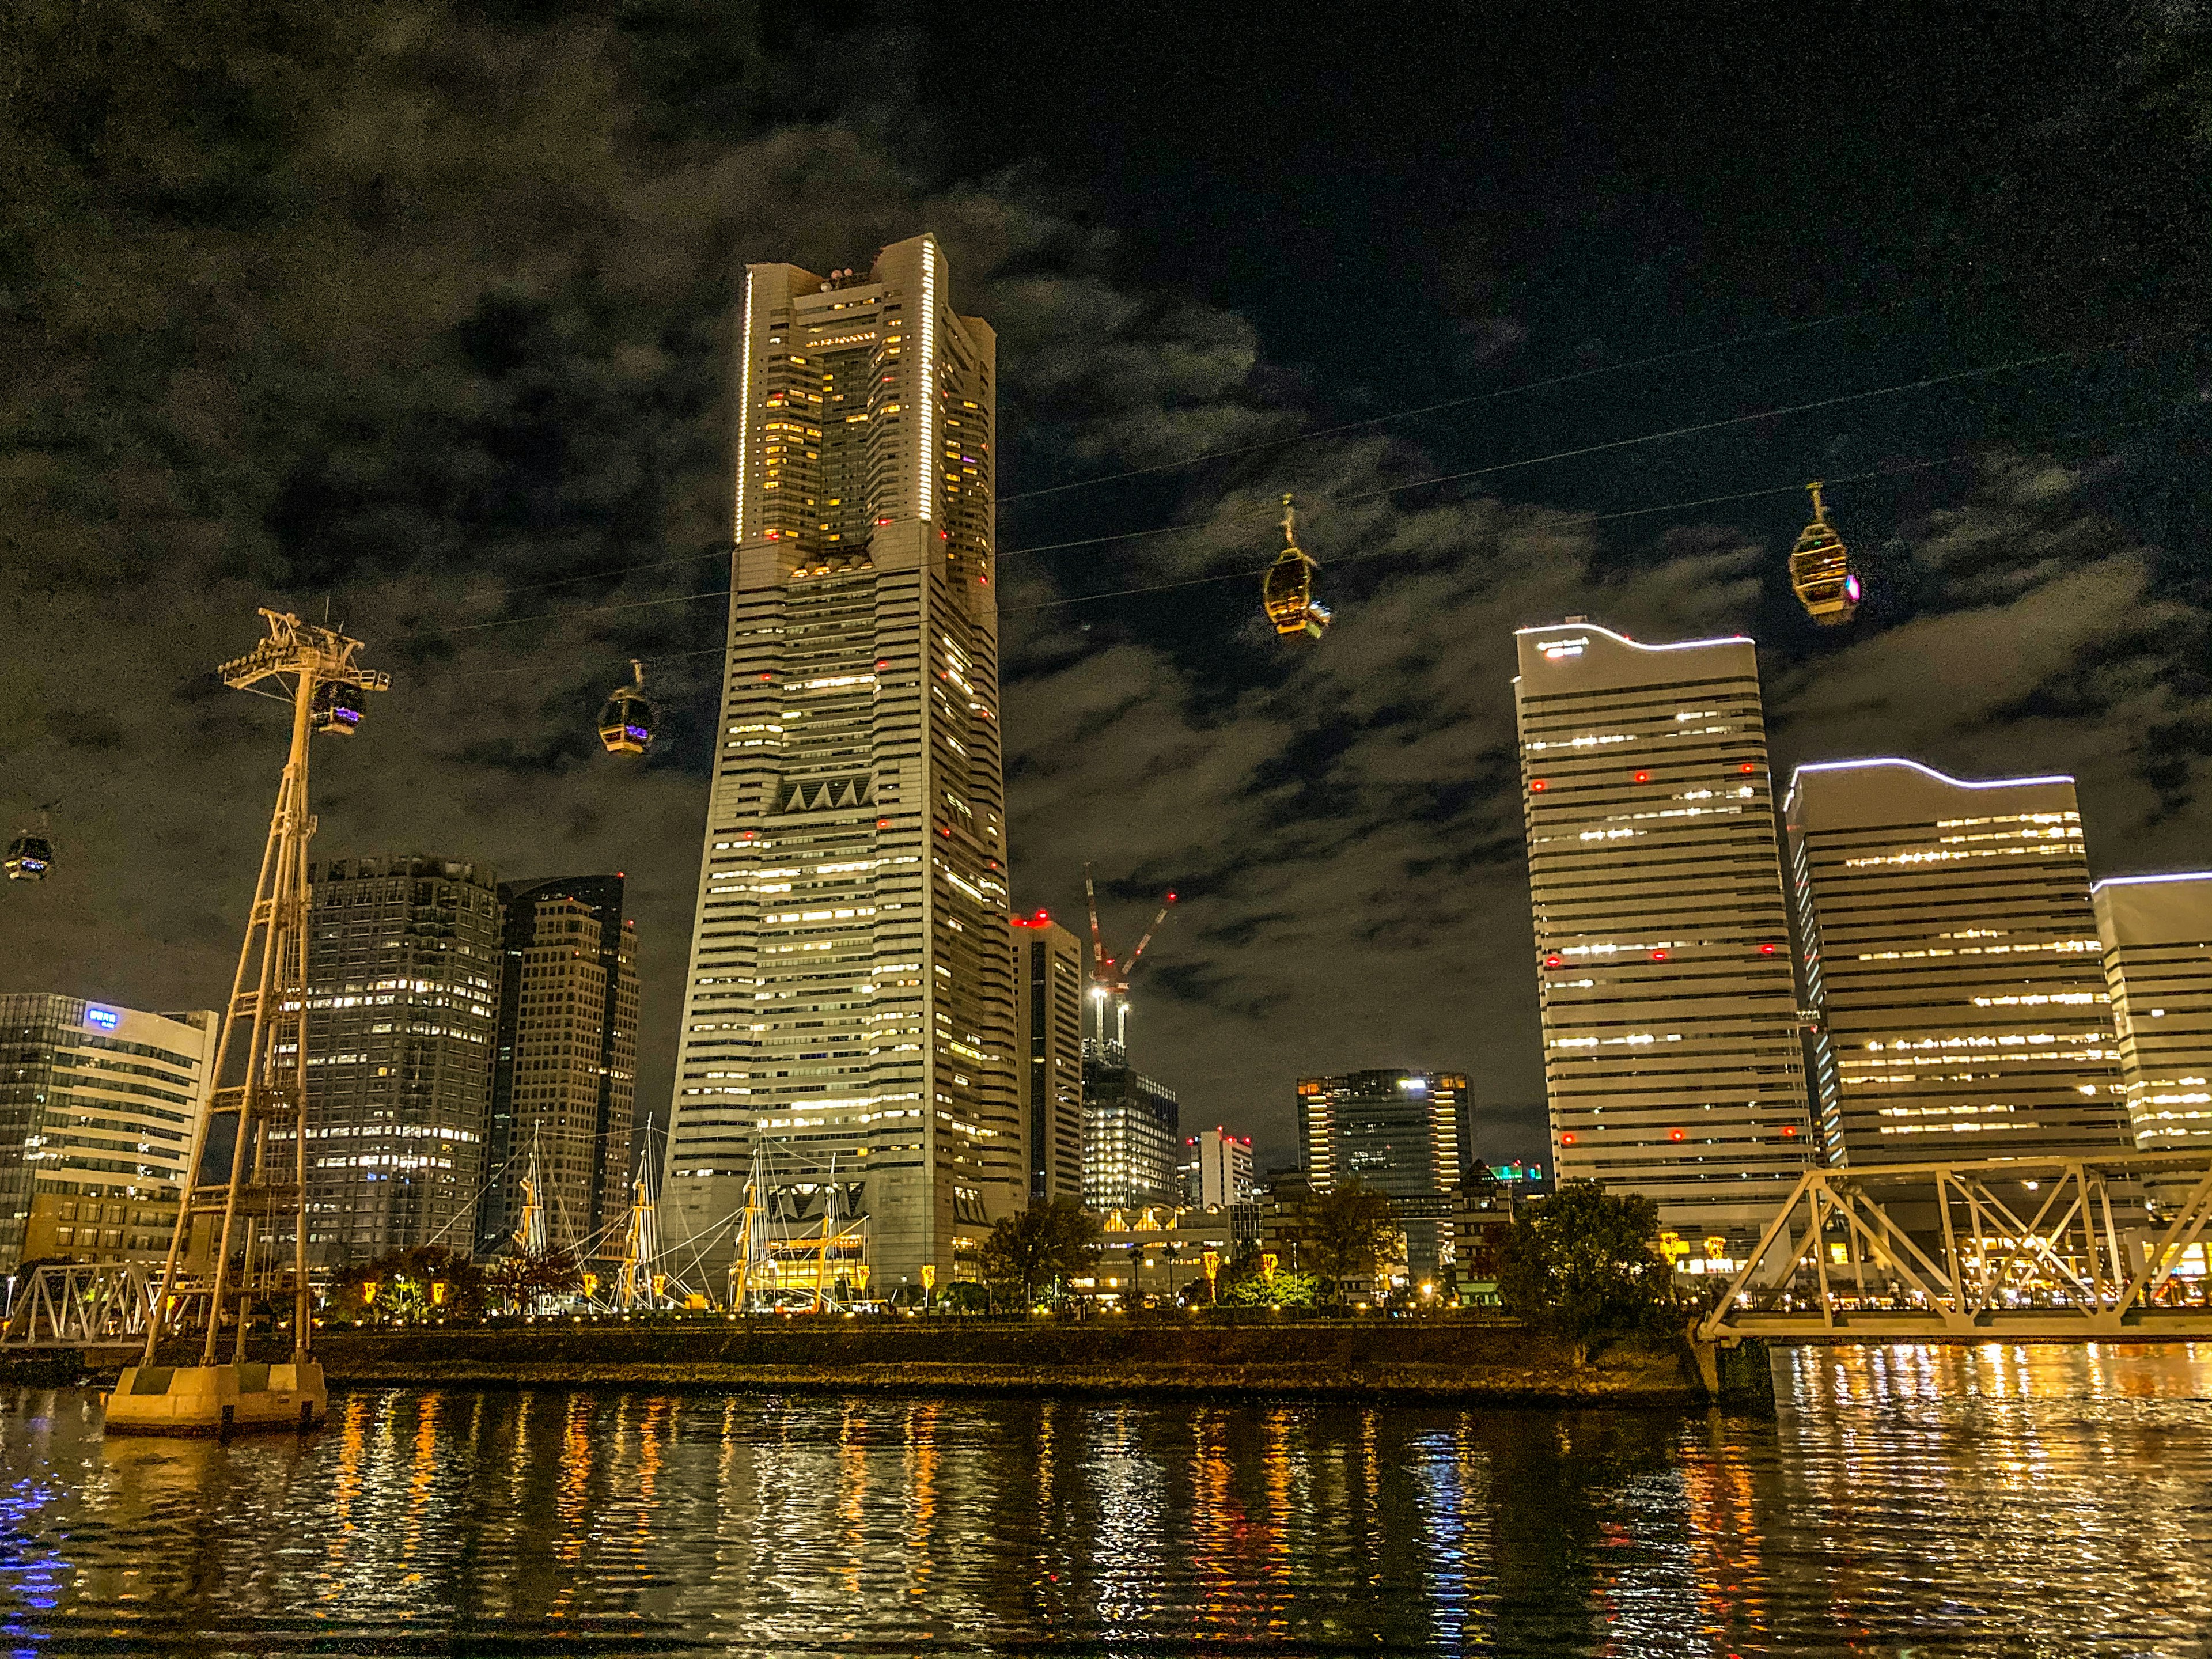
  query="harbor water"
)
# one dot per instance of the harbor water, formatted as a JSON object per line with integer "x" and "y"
{"x": 1901, "y": 1501}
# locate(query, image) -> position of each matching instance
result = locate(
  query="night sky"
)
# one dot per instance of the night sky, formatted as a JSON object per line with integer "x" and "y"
{"x": 416, "y": 311}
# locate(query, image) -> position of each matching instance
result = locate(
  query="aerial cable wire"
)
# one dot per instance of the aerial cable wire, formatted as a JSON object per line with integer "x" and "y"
{"x": 1656, "y": 359}
{"x": 1753, "y": 338}
{"x": 1470, "y": 398}
{"x": 1887, "y": 470}
{"x": 1496, "y": 467}
{"x": 1695, "y": 429}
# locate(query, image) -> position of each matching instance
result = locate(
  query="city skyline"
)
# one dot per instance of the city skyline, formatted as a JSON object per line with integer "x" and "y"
{"x": 499, "y": 455}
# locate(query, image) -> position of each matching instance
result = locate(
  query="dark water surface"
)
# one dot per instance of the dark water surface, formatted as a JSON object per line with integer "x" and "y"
{"x": 1999, "y": 1501}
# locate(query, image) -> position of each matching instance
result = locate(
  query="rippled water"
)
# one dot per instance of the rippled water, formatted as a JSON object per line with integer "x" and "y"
{"x": 1992, "y": 1501}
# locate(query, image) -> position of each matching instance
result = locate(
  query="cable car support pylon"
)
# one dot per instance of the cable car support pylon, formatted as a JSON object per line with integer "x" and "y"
{"x": 226, "y": 1261}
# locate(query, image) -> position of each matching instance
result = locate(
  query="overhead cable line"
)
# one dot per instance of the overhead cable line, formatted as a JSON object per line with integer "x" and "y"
{"x": 1653, "y": 361}
{"x": 1592, "y": 449}
{"x": 1794, "y": 488}
{"x": 1609, "y": 446}
{"x": 1499, "y": 394}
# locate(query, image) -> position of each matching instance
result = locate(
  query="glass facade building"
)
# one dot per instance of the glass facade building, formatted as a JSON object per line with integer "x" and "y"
{"x": 1951, "y": 954}
{"x": 564, "y": 1071}
{"x": 1672, "y": 1056}
{"x": 1132, "y": 1135}
{"x": 849, "y": 1016}
{"x": 1397, "y": 1132}
{"x": 98, "y": 1108}
{"x": 404, "y": 961}
{"x": 2156, "y": 931}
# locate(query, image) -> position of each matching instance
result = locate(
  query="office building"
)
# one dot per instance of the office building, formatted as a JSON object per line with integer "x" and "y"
{"x": 1951, "y": 955}
{"x": 1672, "y": 1053}
{"x": 402, "y": 1000}
{"x": 848, "y": 1014}
{"x": 564, "y": 1070}
{"x": 1396, "y": 1131}
{"x": 98, "y": 1108}
{"x": 2156, "y": 931}
{"x": 1049, "y": 1017}
{"x": 1217, "y": 1170}
{"x": 1132, "y": 1135}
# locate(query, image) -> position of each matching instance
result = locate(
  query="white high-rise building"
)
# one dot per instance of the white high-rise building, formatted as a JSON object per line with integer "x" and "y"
{"x": 849, "y": 1017}
{"x": 2157, "y": 935}
{"x": 1952, "y": 955}
{"x": 1217, "y": 1170}
{"x": 1672, "y": 1049}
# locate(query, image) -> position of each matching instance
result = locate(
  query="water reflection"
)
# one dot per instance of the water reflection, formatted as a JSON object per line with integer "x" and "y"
{"x": 1995, "y": 1501}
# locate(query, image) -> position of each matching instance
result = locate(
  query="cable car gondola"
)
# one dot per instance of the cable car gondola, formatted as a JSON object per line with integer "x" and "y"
{"x": 31, "y": 854}
{"x": 336, "y": 708}
{"x": 1287, "y": 592}
{"x": 1821, "y": 569}
{"x": 626, "y": 723}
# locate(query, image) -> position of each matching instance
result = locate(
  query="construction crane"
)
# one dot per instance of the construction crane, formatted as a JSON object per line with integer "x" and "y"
{"x": 1109, "y": 978}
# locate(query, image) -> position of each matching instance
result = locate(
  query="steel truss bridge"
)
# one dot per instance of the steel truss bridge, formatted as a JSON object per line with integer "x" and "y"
{"x": 2006, "y": 1249}
{"x": 81, "y": 1307}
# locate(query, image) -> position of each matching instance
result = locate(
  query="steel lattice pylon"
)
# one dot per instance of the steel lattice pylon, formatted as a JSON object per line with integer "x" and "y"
{"x": 223, "y": 1259}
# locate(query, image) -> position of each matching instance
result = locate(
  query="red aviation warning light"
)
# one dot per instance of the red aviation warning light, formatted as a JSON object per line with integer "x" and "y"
{"x": 1643, "y": 777}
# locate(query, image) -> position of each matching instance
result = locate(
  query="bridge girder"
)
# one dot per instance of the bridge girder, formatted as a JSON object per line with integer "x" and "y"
{"x": 1980, "y": 1265}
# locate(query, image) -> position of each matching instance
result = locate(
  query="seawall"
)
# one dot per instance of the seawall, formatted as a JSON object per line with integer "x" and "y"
{"x": 1403, "y": 1360}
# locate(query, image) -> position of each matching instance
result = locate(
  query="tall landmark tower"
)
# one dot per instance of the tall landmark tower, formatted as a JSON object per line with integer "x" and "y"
{"x": 848, "y": 1019}
{"x": 1672, "y": 1052}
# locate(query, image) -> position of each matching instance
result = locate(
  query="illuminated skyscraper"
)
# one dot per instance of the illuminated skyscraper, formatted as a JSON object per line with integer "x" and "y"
{"x": 1048, "y": 1015}
{"x": 848, "y": 1015}
{"x": 1397, "y": 1131}
{"x": 1672, "y": 1053}
{"x": 1132, "y": 1133}
{"x": 402, "y": 1000}
{"x": 1952, "y": 956}
{"x": 97, "y": 1105}
{"x": 564, "y": 1076}
{"x": 2157, "y": 935}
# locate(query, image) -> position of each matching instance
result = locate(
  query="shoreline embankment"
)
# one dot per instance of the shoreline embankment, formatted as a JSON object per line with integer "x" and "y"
{"x": 1402, "y": 1360}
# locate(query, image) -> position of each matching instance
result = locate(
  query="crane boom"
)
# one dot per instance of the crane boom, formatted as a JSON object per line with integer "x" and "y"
{"x": 1098, "y": 943}
{"x": 1133, "y": 954}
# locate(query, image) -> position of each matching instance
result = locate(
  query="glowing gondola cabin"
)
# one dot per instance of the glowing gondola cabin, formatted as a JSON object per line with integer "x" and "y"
{"x": 1287, "y": 592}
{"x": 1821, "y": 569}
{"x": 626, "y": 722}
{"x": 336, "y": 709}
{"x": 29, "y": 857}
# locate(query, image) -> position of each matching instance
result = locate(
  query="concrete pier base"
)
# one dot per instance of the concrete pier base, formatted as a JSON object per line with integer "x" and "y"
{"x": 216, "y": 1399}
{"x": 1738, "y": 1373}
